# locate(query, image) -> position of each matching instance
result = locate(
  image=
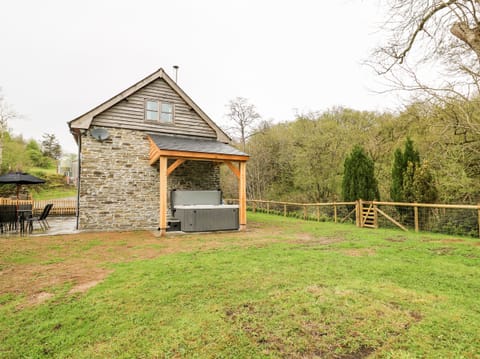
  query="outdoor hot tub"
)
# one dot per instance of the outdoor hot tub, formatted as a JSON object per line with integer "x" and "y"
{"x": 203, "y": 211}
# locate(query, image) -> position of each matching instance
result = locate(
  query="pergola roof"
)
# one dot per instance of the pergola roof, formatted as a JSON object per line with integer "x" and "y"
{"x": 192, "y": 148}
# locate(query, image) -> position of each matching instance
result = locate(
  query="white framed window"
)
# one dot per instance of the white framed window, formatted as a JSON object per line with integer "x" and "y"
{"x": 166, "y": 112}
{"x": 151, "y": 110}
{"x": 156, "y": 110}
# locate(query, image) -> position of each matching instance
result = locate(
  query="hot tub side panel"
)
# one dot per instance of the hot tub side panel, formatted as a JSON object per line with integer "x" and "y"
{"x": 207, "y": 219}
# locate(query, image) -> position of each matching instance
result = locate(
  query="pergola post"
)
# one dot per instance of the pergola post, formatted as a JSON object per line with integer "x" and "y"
{"x": 163, "y": 196}
{"x": 242, "y": 195}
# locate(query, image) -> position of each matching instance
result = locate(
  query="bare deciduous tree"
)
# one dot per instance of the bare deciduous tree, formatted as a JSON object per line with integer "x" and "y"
{"x": 243, "y": 117}
{"x": 429, "y": 37}
{"x": 443, "y": 29}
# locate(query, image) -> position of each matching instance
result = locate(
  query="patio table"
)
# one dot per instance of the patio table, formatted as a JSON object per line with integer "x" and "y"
{"x": 22, "y": 215}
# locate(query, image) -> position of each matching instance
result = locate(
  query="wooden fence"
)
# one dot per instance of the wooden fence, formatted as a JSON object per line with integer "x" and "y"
{"x": 333, "y": 211}
{"x": 308, "y": 211}
{"x": 441, "y": 218}
{"x": 460, "y": 219}
{"x": 61, "y": 207}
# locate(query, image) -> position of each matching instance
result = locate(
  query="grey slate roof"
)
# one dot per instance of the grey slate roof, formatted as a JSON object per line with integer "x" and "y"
{"x": 194, "y": 144}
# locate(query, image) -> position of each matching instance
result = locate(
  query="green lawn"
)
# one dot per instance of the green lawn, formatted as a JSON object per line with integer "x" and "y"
{"x": 286, "y": 288}
{"x": 55, "y": 187}
{"x": 52, "y": 170}
{"x": 55, "y": 193}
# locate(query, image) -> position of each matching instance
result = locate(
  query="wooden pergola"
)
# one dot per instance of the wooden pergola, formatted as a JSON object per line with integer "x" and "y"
{"x": 235, "y": 160}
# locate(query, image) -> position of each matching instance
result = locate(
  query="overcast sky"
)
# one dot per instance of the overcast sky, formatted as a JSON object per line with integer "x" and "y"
{"x": 59, "y": 58}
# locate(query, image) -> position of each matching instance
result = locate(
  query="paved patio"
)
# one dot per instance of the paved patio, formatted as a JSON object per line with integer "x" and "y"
{"x": 58, "y": 225}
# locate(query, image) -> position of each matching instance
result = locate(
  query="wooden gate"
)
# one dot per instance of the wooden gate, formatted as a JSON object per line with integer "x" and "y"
{"x": 368, "y": 215}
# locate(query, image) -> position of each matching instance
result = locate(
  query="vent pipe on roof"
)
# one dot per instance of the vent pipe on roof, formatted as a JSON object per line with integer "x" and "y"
{"x": 175, "y": 68}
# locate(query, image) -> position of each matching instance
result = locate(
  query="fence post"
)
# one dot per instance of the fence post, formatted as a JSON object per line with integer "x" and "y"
{"x": 356, "y": 213}
{"x": 304, "y": 212}
{"x": 318, "y": 213}
{"x": 254, "y": 207}
{"x": 334, "y": 212}
{"x": 284, "y": 209}
{"x": 359, "y": 211}
{"x": 415, "y": 212}
{"x": 478, "y": 210}
{"x": 268, "y": 207}
{"x": 360, "y": 217}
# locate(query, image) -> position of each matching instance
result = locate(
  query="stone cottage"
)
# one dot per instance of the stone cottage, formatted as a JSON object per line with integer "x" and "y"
{"x": 141, "y": 143}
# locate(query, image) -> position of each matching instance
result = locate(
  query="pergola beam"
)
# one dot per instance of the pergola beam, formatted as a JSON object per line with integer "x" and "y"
{"x": 234, "y": 169}
{"x": 174, "y": 165}
{"x": 154, "y": 157}
{"x": 202, "y": 156}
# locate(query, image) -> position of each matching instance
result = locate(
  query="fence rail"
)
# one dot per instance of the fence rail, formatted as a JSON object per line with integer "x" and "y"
{"x": 333, "y": 211}
{"x": 61, "y": 207}
{"x": 455, "y": 219}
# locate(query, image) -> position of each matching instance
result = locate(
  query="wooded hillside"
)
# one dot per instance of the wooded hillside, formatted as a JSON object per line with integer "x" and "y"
{"x": 303, "y": 160}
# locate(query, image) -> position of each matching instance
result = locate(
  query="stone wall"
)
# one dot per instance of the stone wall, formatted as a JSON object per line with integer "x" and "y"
{"x": 195, "y": 175}
{"x": 119, "y": 189}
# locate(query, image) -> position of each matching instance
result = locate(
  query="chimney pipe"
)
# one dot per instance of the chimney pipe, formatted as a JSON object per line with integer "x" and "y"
{"x": 175, "y": 67}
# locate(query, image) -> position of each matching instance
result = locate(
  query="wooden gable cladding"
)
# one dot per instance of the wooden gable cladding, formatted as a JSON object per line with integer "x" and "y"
{"x": 130, "y": 113}
{"x": 126, "y": 111}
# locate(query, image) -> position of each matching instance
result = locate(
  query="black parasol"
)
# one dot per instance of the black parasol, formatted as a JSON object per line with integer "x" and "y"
{"x": 19, "y": 178}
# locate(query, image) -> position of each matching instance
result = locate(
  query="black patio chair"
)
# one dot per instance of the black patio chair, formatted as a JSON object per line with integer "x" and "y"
{"x": 24, "y": 211}
{"x": 2, "y": 218}
{"x": 42, "y": 219}
{"x": 8, "y": 218}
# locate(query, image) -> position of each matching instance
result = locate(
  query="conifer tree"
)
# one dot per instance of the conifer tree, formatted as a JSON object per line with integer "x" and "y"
{"x": 403, "y": 162}
{"x": 396, "y": 189}
{"x": 410, "y": 154}
{"x": 359, "y": 180}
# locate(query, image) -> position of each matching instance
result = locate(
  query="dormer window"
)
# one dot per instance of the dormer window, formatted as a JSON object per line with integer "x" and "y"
{"x": 158, "y": 111}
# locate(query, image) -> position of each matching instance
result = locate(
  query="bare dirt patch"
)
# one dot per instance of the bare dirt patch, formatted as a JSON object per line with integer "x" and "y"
{"x": 442, "y": 251}
{"x": 396, "y": 240}
{"x": 33, "y": 266}
{"x": 359, "y": 252}
{"x": 311, "y": 240}
{"x": 80, "y": 288}
{"x": 447, "y": 240}
{"x": 39, "y": 298}
{"x": 453, "y": 240}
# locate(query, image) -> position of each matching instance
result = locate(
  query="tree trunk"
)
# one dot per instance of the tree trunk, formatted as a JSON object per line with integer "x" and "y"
{"x": 471, "y": 36}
